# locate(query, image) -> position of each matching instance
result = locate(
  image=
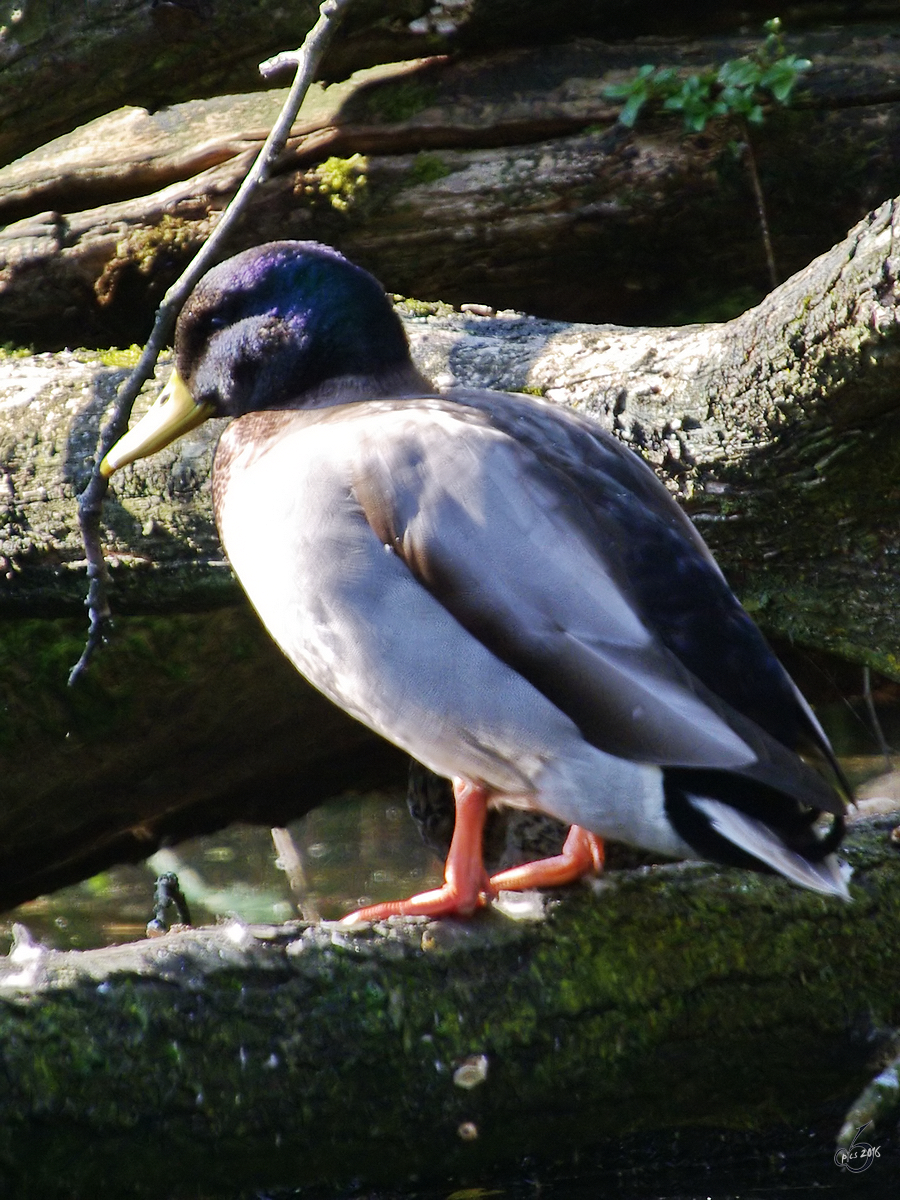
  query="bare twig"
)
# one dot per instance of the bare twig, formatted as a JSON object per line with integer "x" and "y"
{"x": 279, "y": 62}
{"x": 90, "y": 502}
{"x": 290, "y": 860}
{"x": 762, "y": 214}
{"x": 869, "y": 699}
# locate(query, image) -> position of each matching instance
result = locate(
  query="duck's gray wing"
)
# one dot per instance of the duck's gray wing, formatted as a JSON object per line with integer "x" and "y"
{"x": 543, "y": 576}
{"x": 675, "y": 583}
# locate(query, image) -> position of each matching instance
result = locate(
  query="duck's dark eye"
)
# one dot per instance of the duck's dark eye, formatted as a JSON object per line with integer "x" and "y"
{"x": 195, "y": 330}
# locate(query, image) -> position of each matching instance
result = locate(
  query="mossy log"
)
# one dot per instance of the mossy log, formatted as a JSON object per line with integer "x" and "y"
{"x": 779, "y": 430}
{"x": 664, "y": 1013}
{"x": 501, "y": 179}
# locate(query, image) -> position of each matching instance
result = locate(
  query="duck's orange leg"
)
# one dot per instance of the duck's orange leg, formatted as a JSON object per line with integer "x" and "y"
{"x": 466, "y": 883}
{"x": 582, "y": 854}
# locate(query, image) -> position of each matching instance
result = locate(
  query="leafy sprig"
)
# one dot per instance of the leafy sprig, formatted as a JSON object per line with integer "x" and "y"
{"x": 740, "y": 87}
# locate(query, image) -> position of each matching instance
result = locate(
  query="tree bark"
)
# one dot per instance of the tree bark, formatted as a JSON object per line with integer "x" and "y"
{"x": 63, "y": 64}
{"x": 605, "y": 1040}
{"x": 55, "y": 58}
{"x": 501, "y": 179}
{"x": 776, "y": 428}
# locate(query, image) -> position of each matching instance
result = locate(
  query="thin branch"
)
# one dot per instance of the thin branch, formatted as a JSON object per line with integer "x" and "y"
{"x": 90, "y": 502}
{"x": 290, "y": 860}
{"x": 759, "y": 197}
{"x": 287, "y": 58}
{"x": 873, "y": 718}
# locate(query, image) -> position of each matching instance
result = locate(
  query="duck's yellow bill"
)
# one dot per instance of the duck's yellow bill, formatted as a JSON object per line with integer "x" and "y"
{"x": 173, "y": 414}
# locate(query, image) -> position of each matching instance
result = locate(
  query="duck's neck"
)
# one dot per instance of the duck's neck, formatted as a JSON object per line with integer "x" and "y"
{"x": 396, "y": 383}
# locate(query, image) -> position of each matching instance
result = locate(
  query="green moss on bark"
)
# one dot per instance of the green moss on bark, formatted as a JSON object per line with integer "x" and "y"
{"x": 672, "y": 999}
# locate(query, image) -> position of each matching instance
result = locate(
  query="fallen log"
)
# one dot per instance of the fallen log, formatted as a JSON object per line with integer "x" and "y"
{"x": 662, "y": 1013}
{"x": 55, "y": 64}
{"x": 776, "y": 429}
{"x": 502, "y": 179}
{"x": 55, "y": 60}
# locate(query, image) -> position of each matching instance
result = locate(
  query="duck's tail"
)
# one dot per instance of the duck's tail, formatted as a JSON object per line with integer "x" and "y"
{"x": 728, "y": 820}
{"x": 822, "y": 874}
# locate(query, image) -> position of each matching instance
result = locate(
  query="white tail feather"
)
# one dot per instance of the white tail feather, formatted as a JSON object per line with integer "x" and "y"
{"x": 757, "y": 839}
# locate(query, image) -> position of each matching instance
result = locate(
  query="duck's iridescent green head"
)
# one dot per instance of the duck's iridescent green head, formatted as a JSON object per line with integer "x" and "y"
{"x": 271, "y": 328}
{"x": 278, "y": 321}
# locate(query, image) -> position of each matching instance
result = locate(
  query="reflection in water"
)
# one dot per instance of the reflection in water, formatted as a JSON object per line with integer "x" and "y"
{"x": 356, "y": 850}
{"x": 353, "y": 851}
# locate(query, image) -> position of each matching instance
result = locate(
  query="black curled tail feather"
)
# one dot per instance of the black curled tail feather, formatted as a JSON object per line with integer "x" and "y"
{"x": 827, "y": 844}
{"x": 791, "y": 822}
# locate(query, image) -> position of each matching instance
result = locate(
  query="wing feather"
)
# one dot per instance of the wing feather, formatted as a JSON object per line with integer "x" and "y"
{"x": 540, "y": 563}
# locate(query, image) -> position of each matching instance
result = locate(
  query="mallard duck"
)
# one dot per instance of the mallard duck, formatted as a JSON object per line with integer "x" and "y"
{"x": 494, "y": 584}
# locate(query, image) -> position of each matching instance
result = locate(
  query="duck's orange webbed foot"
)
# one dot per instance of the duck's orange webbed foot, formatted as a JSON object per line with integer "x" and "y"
{"x": 582, "y": 854}
{"x": 444, "y": 901}
{"x": 466, "y": 884}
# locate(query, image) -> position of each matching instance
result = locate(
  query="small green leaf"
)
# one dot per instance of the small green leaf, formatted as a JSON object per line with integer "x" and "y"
{"x": 666, "y": 81}
{"x": 737, "y": 100}
{"x": 740, "y": 73}
{"x": 781, "y": 77}
{"x": 631, "y": 109}
{"x": 618, "y": 91}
